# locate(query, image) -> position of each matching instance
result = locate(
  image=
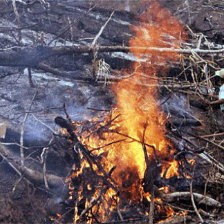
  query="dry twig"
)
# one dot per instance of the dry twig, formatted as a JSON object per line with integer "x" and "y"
{"x": 193, "y": 203}
{"x": 33, "y": 176}
{"x": 101, "y": 30}
{"x": 22, "y": 132}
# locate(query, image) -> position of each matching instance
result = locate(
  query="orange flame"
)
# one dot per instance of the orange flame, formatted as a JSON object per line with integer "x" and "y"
{"x": 137, "y": 117}
{"x": 137, "y": 96}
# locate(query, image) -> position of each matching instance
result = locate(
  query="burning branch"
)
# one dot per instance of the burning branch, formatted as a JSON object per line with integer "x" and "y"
{"x": 91, "y": 159}
{"x": 151, "y": 211}
{"x": 175, "y": 220}
{"x": 80, "y": 147}
{"x": 95, "y": 200}
{"x": 149, "y": 178}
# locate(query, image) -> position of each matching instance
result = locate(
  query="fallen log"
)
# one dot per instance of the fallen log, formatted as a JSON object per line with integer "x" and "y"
{"x": 201, "y": 199}
{"x": 32, "y": 56}
{"x": 31, "y": 175}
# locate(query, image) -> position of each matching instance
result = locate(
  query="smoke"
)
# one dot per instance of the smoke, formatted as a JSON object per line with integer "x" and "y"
{"x": 178, "y": 106}
{"x": 36, "y": 131}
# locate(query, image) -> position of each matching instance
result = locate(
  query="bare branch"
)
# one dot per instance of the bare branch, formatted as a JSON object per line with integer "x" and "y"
{"x": 22, "y": 132}
{"x": 32, "y": 56}
{"x": 33, "y": 176}
{"x": 198, "y": 197}
{"x": 101, "y": 30}
{"x": 193, "y": 203}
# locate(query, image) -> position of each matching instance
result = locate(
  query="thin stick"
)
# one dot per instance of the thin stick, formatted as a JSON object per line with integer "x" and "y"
{"x": 30, "y": 78}
{"x": 45, "y": 125}
{"x": 151, "y": 211}
{"x": 13, "y": 143}
{"x": 101, "y": 30}
{"x": 17, "y": 19}
{"x": 206, "y": 140}
{"x": 147, "y": 174}
{"x": 119, "y": 214}
{"x": 212, "y": 161}
{"x": 16, "y": 183}
{"x": 22, "y": 132}
{"x": 94, "y": 202}
{"x": 43, "y": 161}
{"x": 194, "y": 205}
{"x": 95, "y": 109}
{"x": 111, "y": 143}
{"x": 83, "y": 49}
{"x": 134, "y": 139}
{"x": 10, "y": 164}
{"x": 43, "y": 158}
{"x": 212, "y": 135}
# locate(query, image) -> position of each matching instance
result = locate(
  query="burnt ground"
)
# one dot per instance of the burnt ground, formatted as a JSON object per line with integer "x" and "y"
{"x": 67, "y": 23}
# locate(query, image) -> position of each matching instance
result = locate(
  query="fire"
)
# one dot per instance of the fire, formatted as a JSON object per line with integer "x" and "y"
{"x": 136, "y": 119}
{"x": 137, "y": 97}
{"x": 164, "y": 189}
{"x": 171, "y": 170}
{"x": 137, "y": 104}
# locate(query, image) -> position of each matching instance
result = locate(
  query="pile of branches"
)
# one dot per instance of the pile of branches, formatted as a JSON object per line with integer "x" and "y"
{"x": 190, "y": 198}
{"x": 90, "y": 185}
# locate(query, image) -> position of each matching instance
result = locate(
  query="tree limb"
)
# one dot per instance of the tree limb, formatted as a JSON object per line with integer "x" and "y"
{"x": 32, "y": 56}
{"x": 202, "y": 199}
{"x": 32, "y": 175}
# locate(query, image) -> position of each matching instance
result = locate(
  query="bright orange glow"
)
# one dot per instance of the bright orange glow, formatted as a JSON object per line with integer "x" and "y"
{"x": 137, "y": 104}
{"x": 164, "y": 189}
{"x": 137, "y": 118}
{"x": 191, "y": 161}
{"x": 137, "y": 101}
{"x": 170, "y": 169}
